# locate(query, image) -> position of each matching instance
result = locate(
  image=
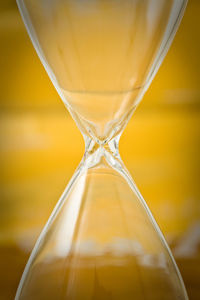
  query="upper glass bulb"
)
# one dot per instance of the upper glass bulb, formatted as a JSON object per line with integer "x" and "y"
{"x": 101, "y": 55}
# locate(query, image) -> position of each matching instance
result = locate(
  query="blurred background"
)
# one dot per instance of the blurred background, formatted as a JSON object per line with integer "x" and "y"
{"x": 40, "y": 147}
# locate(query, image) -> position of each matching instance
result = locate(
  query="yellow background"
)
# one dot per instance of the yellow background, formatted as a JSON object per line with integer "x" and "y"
{"x": 40, "y": 147}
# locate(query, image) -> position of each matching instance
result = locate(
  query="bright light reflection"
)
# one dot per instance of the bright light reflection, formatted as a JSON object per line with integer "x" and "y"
{"x": 68, "y": 224}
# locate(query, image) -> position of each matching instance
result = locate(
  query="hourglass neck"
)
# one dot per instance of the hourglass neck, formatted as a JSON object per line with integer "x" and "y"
{"x": 98, "y": 154}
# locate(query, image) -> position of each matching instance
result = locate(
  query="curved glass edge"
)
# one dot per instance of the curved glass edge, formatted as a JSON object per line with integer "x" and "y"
{"x": 166, "y": 44}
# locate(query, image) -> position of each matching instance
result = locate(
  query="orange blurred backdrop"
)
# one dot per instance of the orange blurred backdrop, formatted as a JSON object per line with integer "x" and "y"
{"x": 40, "y": 147}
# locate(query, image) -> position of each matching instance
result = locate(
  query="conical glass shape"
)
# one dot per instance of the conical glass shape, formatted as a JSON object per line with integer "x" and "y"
{"x": 101, "y": 241}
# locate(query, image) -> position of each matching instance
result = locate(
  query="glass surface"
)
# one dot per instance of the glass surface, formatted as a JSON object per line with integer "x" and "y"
{"x": 101, "y": 241}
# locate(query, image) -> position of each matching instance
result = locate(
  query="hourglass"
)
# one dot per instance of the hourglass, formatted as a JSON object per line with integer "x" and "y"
{"x": 101, "y": 241}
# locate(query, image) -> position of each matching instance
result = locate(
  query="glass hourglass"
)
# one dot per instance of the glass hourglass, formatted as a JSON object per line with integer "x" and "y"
{"x": 101, "y": 241}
